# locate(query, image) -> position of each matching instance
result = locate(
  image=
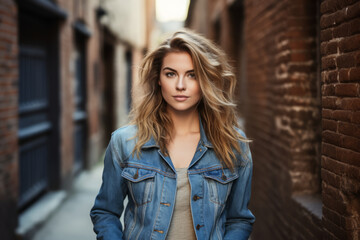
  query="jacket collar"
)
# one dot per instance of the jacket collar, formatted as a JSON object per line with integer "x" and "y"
{"x": 203, "y": 139}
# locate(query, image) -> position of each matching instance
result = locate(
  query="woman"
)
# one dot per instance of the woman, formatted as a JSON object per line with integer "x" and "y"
{"x": 183, "y": 162}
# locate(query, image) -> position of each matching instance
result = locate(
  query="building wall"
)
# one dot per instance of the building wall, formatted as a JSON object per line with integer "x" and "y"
{"x": 283, "y": 117}
{"x": 83, "y": 11}
{"x": 340, "y": 50}
{"x": 8, "y": 118}
{"x": 298, "y": 76}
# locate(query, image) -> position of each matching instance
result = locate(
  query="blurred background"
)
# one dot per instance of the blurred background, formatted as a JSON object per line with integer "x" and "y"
{"x": 68, "y": 76}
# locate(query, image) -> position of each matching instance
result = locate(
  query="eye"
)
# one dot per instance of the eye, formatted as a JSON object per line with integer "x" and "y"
{"x": 169, "y": 74}
{"x": 192, "y": 75}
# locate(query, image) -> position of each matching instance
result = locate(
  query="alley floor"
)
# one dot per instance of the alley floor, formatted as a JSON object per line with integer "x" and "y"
{"x": 71, "y": 221}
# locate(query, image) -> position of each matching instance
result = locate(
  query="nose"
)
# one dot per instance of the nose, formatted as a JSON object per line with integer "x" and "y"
{"x": 180, "y": 84}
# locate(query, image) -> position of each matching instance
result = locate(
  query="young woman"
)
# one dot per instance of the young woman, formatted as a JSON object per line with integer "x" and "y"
{"x": 183, "y": 163}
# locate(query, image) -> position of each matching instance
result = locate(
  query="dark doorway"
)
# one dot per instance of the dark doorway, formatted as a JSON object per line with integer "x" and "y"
{"x": 80, "y": 115}
{"x": 38, "y": 106}
{"x": 109, "y": 92}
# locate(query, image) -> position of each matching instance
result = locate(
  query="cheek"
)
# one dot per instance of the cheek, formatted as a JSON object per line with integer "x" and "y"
{"x": 197, "y": 89}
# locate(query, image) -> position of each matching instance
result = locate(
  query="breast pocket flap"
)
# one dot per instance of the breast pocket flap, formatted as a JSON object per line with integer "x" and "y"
{"x": 137, "y": 174}
{"x": 222, "y": 176}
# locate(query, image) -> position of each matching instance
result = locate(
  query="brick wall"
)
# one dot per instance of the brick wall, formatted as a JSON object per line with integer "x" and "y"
{"x": 82, "y": 11}
{"x": 8, "y": 118}
{"x": 283, "y": 117}
{"x": 340, "y": 50}
{"x": 299, "y": 94}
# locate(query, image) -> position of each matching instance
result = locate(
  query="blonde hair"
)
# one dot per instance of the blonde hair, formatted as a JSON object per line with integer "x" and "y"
{"x": 216, "y": 108}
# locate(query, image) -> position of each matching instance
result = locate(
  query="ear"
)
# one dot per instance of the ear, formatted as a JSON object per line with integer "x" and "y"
{"x": 159, "y": 83}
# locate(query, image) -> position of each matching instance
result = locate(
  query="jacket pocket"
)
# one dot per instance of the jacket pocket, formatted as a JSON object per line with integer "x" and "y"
{"x": 219, "y": 183}
{"x": 140, "y": 183}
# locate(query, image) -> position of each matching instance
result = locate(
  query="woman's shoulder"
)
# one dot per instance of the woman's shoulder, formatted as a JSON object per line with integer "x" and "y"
{"x": 123, "y": 139}
{"x": 241, "y": 132}
{"x": 124, "y": 132}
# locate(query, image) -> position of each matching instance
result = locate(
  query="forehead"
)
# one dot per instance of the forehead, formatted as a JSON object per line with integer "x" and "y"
{"x": 178, "y": 61}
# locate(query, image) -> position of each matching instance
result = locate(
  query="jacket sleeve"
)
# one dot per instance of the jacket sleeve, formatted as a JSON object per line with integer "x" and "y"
{"x": 108, "y": 205}
{"x": 239, "y": 219}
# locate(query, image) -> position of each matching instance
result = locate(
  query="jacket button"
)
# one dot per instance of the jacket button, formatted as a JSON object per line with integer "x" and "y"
{"x": 196, "y": 197}
{"x": 136, "y": 175}
{"x": 223, "y": 177}
{"x": 199, "y": 226}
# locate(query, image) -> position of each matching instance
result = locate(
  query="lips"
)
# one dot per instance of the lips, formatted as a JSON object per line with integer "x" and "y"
{"x": 180, "y": 98}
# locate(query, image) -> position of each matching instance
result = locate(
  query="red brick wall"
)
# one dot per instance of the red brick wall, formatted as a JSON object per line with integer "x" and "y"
{"x": 8, "y": 118}
{"x": 340, "y": 49}
{"x": 83, "y": 11}
{"x": 283, "y": 116}
{"x": 300, "y": 97}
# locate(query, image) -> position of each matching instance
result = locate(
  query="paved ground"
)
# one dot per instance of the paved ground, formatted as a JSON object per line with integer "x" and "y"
{"x": 71, "y": 221}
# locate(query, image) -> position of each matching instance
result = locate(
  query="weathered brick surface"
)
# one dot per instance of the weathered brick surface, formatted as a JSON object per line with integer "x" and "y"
{"x": 279, "y": 36}
{"x": 341, "y": 139}
{"x": 8, "y": 118}
{"x": 301, "y": 106}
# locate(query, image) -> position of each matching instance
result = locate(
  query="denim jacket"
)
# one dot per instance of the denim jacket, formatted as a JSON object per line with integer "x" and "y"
{"x": 219, "y": 197}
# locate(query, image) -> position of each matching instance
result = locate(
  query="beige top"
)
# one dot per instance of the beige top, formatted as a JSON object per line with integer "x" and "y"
{"x": 181, "y": 226}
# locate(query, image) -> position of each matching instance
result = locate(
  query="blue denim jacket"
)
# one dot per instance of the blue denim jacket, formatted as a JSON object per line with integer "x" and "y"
{"x": 219, "y": 197}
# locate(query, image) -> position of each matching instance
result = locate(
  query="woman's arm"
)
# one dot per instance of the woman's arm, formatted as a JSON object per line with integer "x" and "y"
{"x": 239, "y": 219}
{"x": 108, "y": 205}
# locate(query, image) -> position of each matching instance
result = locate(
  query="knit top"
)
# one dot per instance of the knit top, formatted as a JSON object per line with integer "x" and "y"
{"x": 181, "y": 226}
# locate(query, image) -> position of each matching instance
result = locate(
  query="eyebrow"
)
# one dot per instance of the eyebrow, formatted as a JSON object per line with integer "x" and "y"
{"x": 168, "y": 68}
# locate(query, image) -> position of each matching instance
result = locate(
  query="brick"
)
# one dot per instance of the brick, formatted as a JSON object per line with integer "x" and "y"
{"x": 349, "y": 44}
{"x": 331, "y": 137}
{"x": 332, "y": 216}
{"x": 329, "y": 150}
{"x": 333, "y": 19}
{"x": 323, "y": 46}
{"x": 346, "y": 3}
{"x": 351, "y": 178}
{"x": 349, "y": 142}
{"x": 353, "y": 11}
{"x": 342, "y": 30}
{"x": 337, "y": 206}
{"x": 329, "y": 63}
{"x": 342, "y": 115}
{"x": 349, "y": 129}
{"x": 357, "y": 58}
{"x": 347, "y": 156}
{"x": 328, "y": 90}
{"x": 347, "y": 89}
{"x": 329, "y": 102}
{"x": 344, "y": 75}
{"x": 329, "y": 6}
{"x": 333, "y": 76}
{"x": 329, "y": 125}
{"x": 326, "y": 113}
{"x": 355, "y": 117}
{"x": 326, "y": 35}
{"x": 346, "y": 60}
{"x": 327, "y": 20}
{"x": 350, "y": 104}
{"x": 354, "y": 74}
{"x": 354, "y": 26}
{"x": 331, "y": 48}
{"x": 333, "y": 166}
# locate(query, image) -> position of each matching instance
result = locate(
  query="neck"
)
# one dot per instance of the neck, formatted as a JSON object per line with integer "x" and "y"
{"x": 185, "y": 123}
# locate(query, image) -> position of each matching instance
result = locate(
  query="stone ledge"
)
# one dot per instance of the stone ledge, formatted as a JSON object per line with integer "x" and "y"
{"x": 37, "y": 214}
{"x": 312, "y": 203}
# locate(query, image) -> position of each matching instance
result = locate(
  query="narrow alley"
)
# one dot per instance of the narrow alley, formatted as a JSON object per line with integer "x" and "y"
{"x": 71, "y": 221}
{"x": 69, "y": 78}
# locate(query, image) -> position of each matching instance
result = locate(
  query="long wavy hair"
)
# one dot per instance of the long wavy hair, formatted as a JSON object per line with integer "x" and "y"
{"x": 216, "y": 108}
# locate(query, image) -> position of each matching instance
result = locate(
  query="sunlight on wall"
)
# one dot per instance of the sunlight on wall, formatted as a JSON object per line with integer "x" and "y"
{"x": 171, "y": 10}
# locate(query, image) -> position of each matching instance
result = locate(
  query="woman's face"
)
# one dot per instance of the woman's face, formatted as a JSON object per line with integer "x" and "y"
{"x": 179, "y": 86}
